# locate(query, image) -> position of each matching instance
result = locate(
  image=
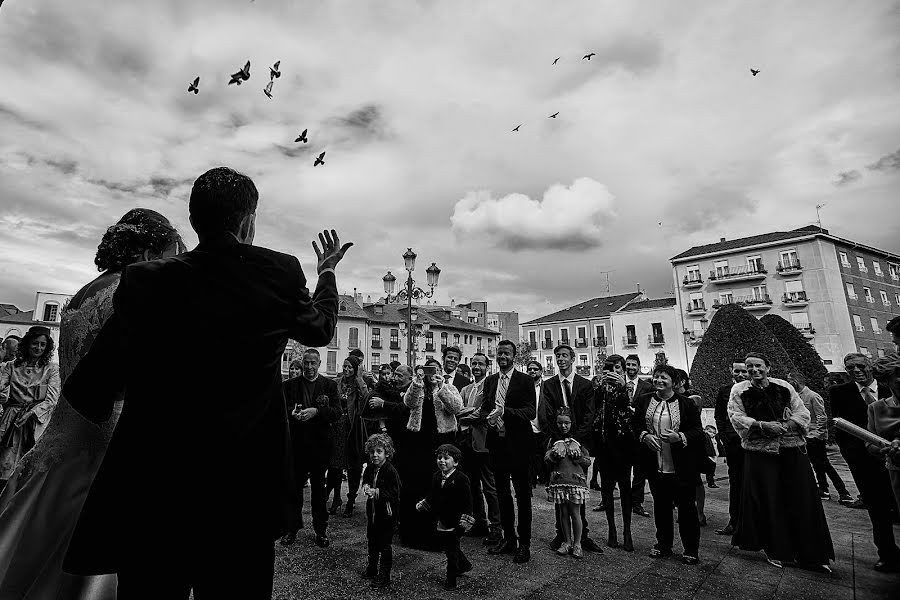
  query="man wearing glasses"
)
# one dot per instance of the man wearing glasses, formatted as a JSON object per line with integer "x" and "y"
{"x": 850, "y": 401}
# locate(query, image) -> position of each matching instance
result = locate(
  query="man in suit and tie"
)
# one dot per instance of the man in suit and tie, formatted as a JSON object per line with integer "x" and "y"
{"x": 850, "y": 401}
{"x": 538, "y": 467}
{"x": 313, "y": 404}
{"x": 509, "y": 408}
{"x": 197, "y": 482}
{"x": 636, "y": 387}
{"x": 452, "y": 358}
{"x": 731, "y": 441}
{"x": 575, "y": 392}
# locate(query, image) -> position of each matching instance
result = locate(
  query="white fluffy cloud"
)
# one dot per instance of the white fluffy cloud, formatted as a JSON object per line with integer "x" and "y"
{"x": 566, "y": 218}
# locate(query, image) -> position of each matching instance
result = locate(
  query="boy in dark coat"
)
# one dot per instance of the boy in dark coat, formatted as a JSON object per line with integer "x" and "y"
{"x": 381, "y": 486}
{"x": 450, "y": 499}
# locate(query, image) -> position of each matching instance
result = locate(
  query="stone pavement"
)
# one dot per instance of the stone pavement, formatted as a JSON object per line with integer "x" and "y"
{"x": 306, "y": 571}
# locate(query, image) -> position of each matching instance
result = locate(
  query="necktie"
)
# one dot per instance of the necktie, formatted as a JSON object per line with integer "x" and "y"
{"x": 500, "y": 401}
{"x": 568, "y": 387}
{"x": 630, "y": 386}
{"x": 868, "y": 396}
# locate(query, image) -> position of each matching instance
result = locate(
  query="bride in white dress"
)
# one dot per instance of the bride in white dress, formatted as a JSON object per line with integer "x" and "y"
{"x": 41, "y": 502}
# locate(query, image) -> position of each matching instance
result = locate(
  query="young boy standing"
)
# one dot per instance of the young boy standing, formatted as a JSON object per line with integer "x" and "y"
{"x": 450, "y": 498}
{"x": 381, "y": 486}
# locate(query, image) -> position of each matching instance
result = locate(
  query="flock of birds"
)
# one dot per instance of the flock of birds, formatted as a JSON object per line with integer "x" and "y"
{"x": 243, "y": 74}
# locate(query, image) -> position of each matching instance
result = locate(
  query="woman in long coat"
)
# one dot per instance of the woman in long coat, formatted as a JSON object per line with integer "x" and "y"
{"x": 346, "y": 451}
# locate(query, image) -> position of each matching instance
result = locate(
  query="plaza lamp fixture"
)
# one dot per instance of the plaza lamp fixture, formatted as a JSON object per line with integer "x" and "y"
{"x": 410, "y": 293}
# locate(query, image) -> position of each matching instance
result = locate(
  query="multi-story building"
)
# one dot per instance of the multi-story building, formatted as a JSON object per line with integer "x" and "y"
{"x": 839, "y": 293}
{"x": 379, "y": 331}
{"x": 647, "y": 328}
{"x": 47, "y": 305}
{"x": 504, "y": 322}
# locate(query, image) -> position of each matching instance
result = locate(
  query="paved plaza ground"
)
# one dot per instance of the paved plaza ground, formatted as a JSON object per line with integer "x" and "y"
{"x": 306, "y": 571}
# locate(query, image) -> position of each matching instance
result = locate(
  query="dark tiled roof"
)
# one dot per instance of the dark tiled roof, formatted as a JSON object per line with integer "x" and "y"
{"x": 347, "y": 307}
{"x": 589, "y": 309}
{"x": 765, "y": 238}
{"x": 21, "y": 317}
{"x": 8, "y": 309}
{"x": 652, "y": 303}
{"x": 395, "y": 313}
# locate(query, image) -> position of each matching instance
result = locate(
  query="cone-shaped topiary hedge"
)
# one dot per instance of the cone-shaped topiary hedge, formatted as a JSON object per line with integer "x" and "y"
{"x": 732, "y": 333}
{"x": 802, "y": 353}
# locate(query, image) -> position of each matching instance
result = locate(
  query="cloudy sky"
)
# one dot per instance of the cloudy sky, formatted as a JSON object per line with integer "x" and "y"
{"x": 663, "y": 139}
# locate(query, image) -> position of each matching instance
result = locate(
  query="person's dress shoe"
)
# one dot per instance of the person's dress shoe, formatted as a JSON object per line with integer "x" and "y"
{"x": 288, "y": 539}
{"x": 348, "y": 510}
{"x": 590, "y": 545}
{"x": 493, "y": 538}
{"x": 887, "y": 566}
{"x": 727, "y": 530}
{"x": 503, "y": 547}
{"x": 464, "y": 568}
{"x": 380, "y": 582}
{"x": 335, "y": 506}
{"x": 322, "y": 541}
{"x": 628, "y": 544}
{"x": 858, "y": 503}
{"x": 640, "y": 510}
{"x": 370, "y": 573}
{"x": 523, "y": 555}
{"x": 824, "y": 495}
{"x": 450, "y": 582}
{"x": 557, "y": 542}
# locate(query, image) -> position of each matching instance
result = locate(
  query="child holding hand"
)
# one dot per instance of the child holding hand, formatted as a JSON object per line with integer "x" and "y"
{"x": 381, "y": 487}
{"x": 450, "y": 498}
{"x": 567, "y": 485}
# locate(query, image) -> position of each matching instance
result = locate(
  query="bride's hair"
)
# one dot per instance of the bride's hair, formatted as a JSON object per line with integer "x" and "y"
{"x": 140, "y": 229}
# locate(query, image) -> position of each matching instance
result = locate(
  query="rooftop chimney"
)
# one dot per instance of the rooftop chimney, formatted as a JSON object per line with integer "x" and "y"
{"x": 721, "y": 240}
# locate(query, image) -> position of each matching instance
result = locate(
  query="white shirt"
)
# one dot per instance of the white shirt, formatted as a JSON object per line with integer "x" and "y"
{"x": 537, "y": 405}
{"x": 571, "y": 380}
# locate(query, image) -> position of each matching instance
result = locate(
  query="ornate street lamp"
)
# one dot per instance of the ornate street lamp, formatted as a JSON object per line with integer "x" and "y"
{"x": 410, "y": 293}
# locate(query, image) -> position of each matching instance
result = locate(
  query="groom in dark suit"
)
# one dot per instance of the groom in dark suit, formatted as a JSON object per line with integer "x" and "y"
{"x": 198, "y": 481}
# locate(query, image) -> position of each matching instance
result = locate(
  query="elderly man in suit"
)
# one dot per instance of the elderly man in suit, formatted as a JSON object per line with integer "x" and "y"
{"x": 452, "y": 358}
{"x": 198, "y": 481}
{"x": 850, "y": 401}
{"x": 509, "y": 408}
{"x": 734, "y": 453}
{"x": 313, "y": 404}
{"x": 575, "y": 392}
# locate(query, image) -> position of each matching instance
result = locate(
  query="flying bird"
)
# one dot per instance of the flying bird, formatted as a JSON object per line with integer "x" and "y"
{"x": 557, "y": 60}
{"x": 274, "y": 73}
{"x": 553, "y": 116}
{"x": 588, "y": 56}
{"x": 754, "y": 72}
{"x": 268, "y": 89}
{"x": 241, "y": 76}
{"x": 320, "y": 160}
{"x": 517, "y": 127}
{"x": 302, "y": 137}
{"x": 194, "y": 86}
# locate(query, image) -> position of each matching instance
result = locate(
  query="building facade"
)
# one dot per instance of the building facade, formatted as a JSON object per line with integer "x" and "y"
{"x": 649, "y": 329}
{"x": 47, "y": 311}
{"x": 838, "y": 293}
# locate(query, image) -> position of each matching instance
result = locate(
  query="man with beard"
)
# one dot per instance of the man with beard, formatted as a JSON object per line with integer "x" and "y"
{"x": 509, "y": 408}
{"x": 575, "y": 392}
{"x": 636, "y": 387}
{"x": 476, "y": 464}
{"x": 731, "y": 441}
{"x": 538, "y": 466}
{"x": 313, "y": 404}
{"x": 452, "y": 357}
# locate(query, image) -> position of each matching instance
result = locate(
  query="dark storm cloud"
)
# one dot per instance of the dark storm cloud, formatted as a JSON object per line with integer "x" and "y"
{"x": 888, "y": 162}
{"x": 847, "y": 177}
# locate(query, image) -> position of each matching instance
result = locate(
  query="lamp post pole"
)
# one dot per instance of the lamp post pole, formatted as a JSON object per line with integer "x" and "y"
{"x": 432, "y": 273}
{"x": 410, "y": 358}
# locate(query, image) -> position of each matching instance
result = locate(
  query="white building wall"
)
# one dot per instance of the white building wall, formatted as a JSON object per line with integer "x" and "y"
{"x": 642, "y": 320}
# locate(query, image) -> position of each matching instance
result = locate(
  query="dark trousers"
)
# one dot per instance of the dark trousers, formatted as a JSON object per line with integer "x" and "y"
{"x": 615, "y": 469}
{"x": 667, "y": 492}
{"x": 818, "y": 456}
{"x": 734, "y": 456}
{"x": 539, "y": 471}
{"x": 336, "y": 478}
{"x": 381, "y": 554}
{"x": 227, "y": 567}
{"x": 476, "y": 466}
{"x": 456, "y": 560}
{"x": 510, "y": 468}
{"x": 308, "y": 465}
{"x": 874, "y": 485}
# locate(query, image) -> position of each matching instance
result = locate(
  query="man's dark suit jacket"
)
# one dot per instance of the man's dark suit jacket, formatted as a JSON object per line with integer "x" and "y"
{"x": 459, "y": 380}
{"x": 727, "y": 434}
{"x": 316, "y": 433}
{"x": 581, "y": 404}
{"x": 517, "y": 415}
{"x": 644, "y": 386}
{"x": 450, "y": 502}
{"x": 848, "y": 404}
{"x": 203, "y": 440}
{"x": 685, "y": 457}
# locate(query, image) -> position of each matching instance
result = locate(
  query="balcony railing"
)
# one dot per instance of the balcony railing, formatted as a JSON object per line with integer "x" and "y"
{"x": 748, "y": 302}
{"x": 806, "y": 329}
{"x": 738, "y": 273}
{"x": 600, "y": 342}
{"x": 376, "y": 344}
{"x": 794, "y": 298}
{"x": 547, "y": 344}
{"x": 876, "y": 330}
{"x": 532, "y": 344}
{"x": 860, "y": 327}
{"x": 852, "y": 296}
{"x": 895, "y": 275}
{"x": 870, "y": 299}
{"x": 697, "y": 307}
{"x": 629, "y": 341}
{"x": 580, "y": 343}
{"x": 788, "y": 267}
{"x": 656, "y": 340}
{"x": 692, "y": 281}
{"x": 863, "y": 269}
{"x": 695, "y": 338}
{"x": 395, "y": 345}
{"x": 583, "y": 370}
{"x": 429, "y": 347}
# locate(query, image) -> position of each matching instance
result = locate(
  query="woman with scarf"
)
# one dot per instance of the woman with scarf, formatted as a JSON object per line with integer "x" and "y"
{"x": 671, "y": 437}
{"x": 781, "y": 512}
{"x": 347, "y": 449}
{"x": 433, "y": 406}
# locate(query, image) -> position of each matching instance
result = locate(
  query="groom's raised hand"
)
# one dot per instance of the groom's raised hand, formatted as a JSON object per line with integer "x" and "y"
{"x": 332, "y": 251}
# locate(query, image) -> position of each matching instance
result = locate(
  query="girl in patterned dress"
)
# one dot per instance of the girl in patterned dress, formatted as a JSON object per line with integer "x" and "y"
{"x": 567, "y": 487}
